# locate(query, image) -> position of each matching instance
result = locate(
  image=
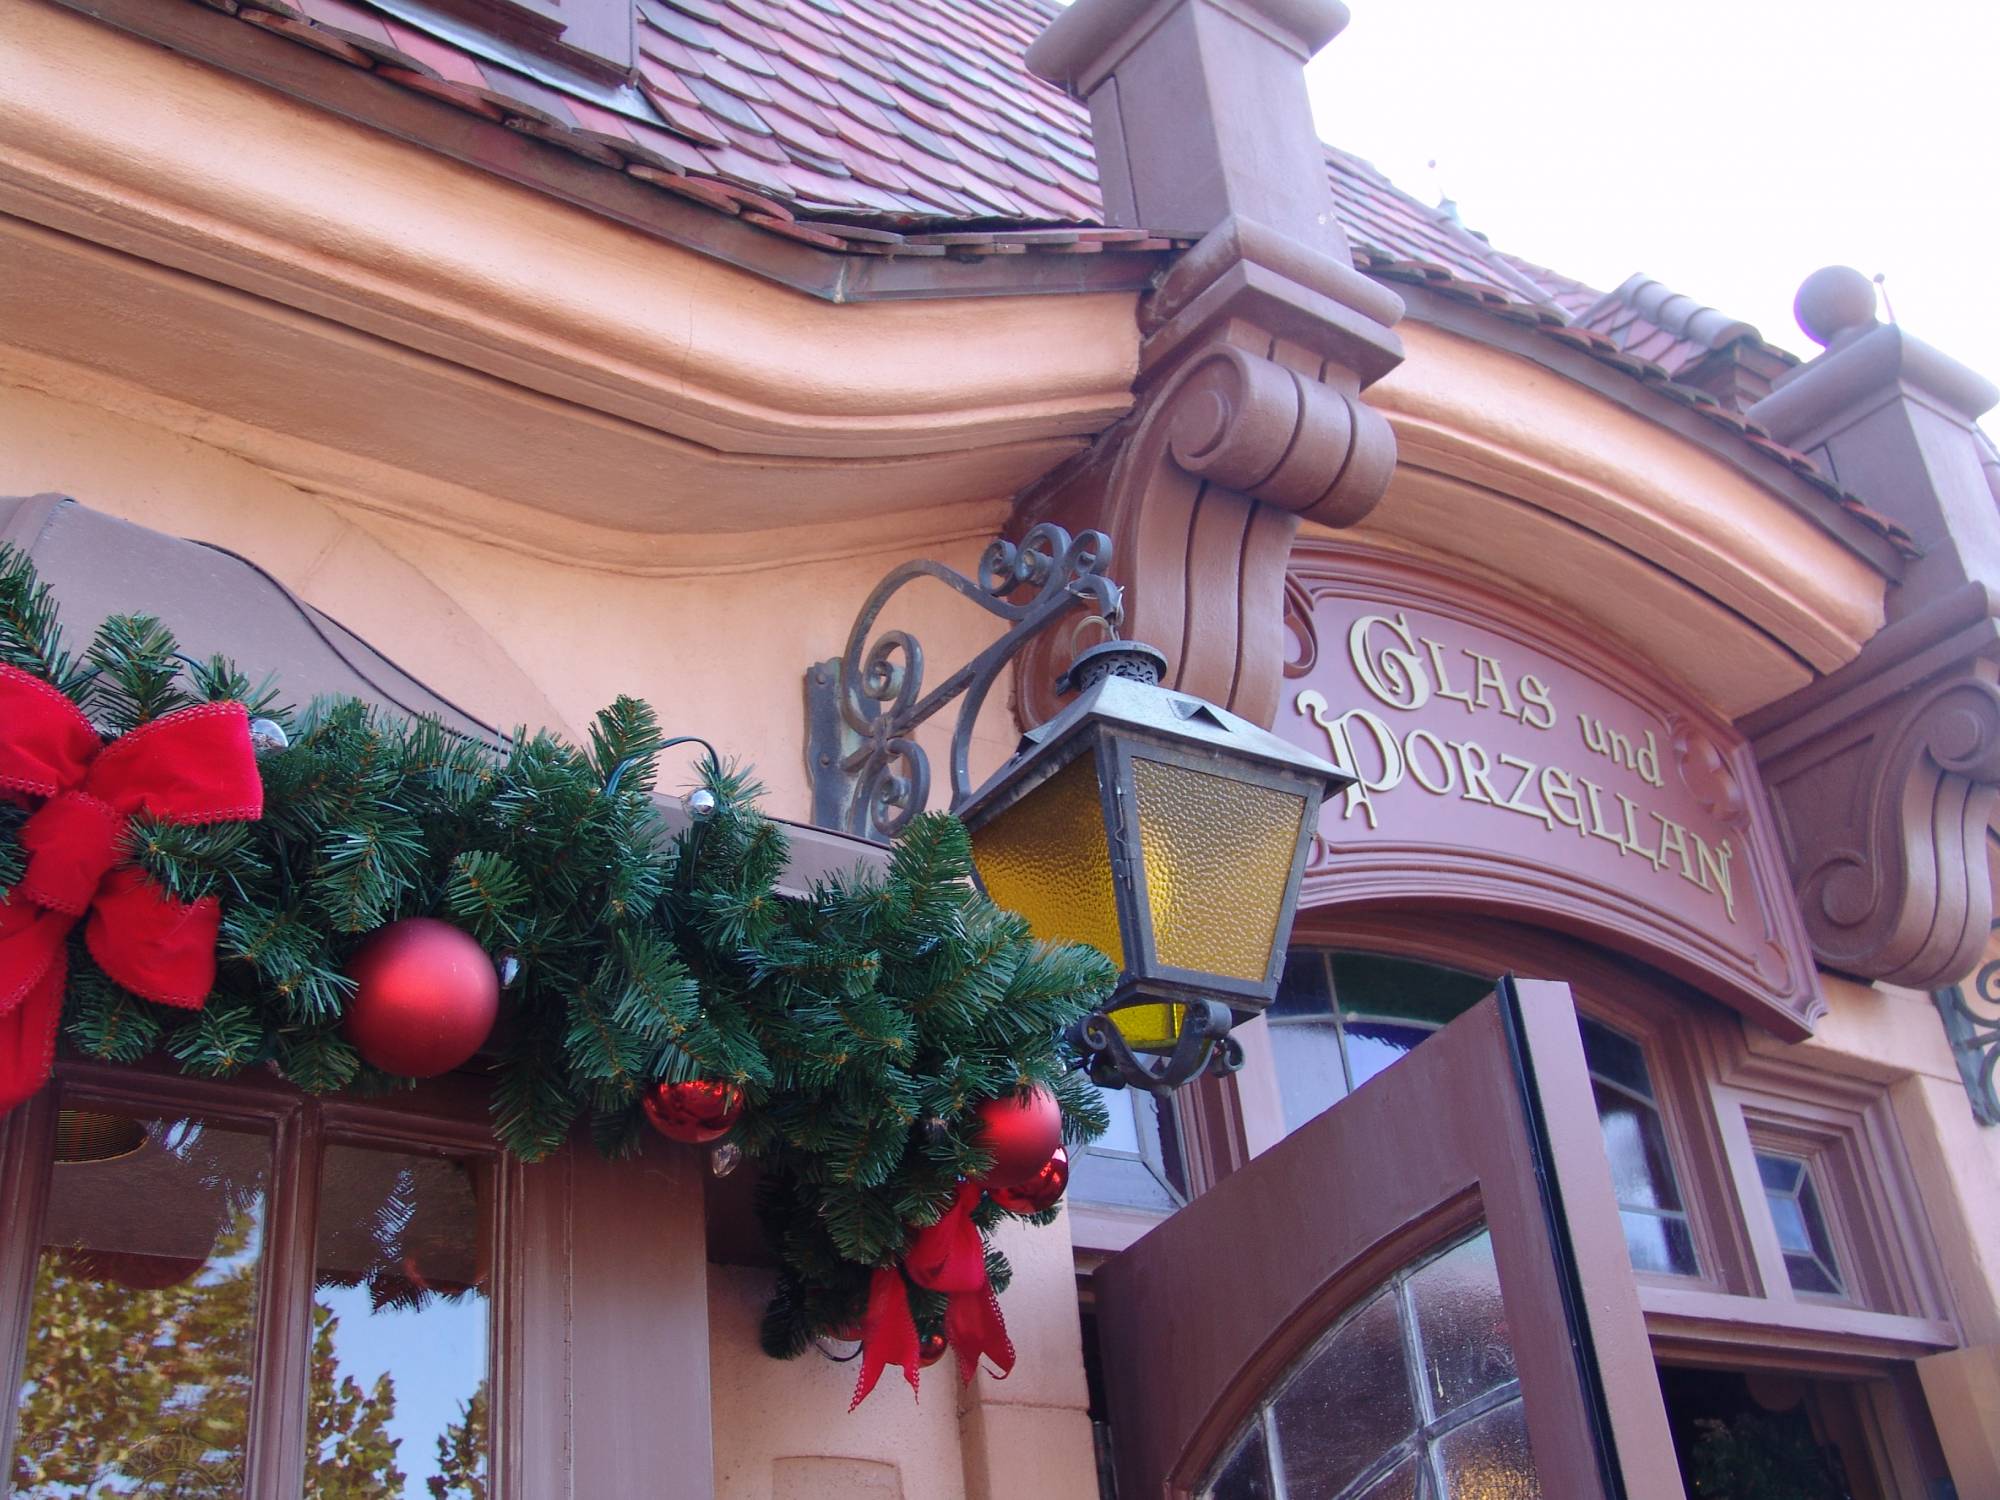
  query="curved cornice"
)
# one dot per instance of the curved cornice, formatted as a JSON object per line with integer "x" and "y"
{"x": 1529, "y": 477}
{"x": 120, "y": 143}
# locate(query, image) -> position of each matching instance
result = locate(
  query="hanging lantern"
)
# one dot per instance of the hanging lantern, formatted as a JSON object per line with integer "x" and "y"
{"x": 1170, "y": 835}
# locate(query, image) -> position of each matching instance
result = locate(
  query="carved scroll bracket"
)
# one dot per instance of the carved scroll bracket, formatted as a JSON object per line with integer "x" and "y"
{"x": 1885, "y": 777}
{"x": 1250, "y": 421}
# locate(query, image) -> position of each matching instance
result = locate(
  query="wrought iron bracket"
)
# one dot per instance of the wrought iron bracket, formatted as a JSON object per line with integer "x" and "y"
{"x": 869, "y": 775}
{"x": 1204, "y": 1043}
{"x": 1971, "y": 1014}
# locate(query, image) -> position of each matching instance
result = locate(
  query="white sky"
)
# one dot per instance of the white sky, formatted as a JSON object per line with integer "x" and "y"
{"x": 1726, "y": 147}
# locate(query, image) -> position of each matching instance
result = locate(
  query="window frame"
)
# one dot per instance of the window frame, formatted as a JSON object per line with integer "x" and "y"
{"x": 446, "y": 1117}
{"x": 1714, "y": 1085}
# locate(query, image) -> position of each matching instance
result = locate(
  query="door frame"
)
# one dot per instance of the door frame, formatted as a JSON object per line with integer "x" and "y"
{"x": 1491, "y": 1120}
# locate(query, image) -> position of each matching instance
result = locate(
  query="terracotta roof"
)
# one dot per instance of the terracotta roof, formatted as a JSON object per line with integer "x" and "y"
{"x": 912, "y": 128}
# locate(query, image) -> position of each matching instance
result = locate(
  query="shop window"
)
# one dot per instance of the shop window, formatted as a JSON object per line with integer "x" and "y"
{"x": 1412, "y": 1395}
{"x": 1137, "y": 1163}
{"x": 179, "y": 1343}
{"x": 1802, "y": 1233}
{"x": 1635, "y": 1141}
{"x": 1341, "y": 1018}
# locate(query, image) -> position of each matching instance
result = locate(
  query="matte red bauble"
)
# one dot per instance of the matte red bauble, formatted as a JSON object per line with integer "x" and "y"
{"x": 1043, "y": 1190}
{"x": 931, "y": 1348}
{"x": 424, "y": 999}
{"x": 697, "y": 1112}
{"x": 1022, "y": 1130}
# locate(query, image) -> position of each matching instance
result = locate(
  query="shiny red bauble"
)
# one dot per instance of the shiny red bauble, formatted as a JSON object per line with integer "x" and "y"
{"x": 1022, "y": 1130}
{"x": 697, "y": 1111}
{"x": 931, "y": 1348}
{"x": 1043, "y": 1190}
{"x": 425, "y": 995}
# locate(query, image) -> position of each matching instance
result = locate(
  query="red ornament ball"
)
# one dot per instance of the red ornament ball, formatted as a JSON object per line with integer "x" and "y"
{"x": 1022, "y": 1130}
{"x": 425, "y": 995}
{"x": 696, "y": 1112}
{"x": 931, "y": 1348}
{"x": 1043, "y": 1190}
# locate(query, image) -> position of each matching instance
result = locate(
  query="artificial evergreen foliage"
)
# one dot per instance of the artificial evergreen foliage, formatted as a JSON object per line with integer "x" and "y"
{"x": 863, "y": 1022}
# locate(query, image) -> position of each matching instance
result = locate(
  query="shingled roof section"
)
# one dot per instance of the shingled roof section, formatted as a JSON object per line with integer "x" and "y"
{"x": 912, "y": 127}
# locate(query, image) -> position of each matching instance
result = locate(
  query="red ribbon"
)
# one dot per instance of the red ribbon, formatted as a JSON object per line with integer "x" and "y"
{"x": 196, "y": 765}
{"x": 947, "y": 1257}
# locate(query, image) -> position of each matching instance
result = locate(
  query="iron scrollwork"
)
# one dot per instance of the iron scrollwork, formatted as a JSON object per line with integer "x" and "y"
{"x": 869, "y": 775}
{"x": 1971, "y": 1013}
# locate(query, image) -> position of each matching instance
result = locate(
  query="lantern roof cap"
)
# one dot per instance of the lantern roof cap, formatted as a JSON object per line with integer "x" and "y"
{"x": 1157, "y": 713}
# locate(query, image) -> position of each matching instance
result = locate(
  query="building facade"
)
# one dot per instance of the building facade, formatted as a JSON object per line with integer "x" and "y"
{"x": 491, "y": 358}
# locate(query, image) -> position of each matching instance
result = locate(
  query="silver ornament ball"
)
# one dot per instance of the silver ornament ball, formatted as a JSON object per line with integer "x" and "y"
{"x": 725, "y": 1158}
{"x": 268, "y": 734}
{"x": 700, "y": 804}
{"x": 510, "y": 970}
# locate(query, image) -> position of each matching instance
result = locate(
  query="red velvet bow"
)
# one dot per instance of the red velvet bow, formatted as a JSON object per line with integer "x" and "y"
{"x": 947, "y": 1257}
{"x": 193, "y": 766}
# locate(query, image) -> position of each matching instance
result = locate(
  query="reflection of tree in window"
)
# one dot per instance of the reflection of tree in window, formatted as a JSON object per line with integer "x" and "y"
{"x": 138, "y": 1369}
{"x": 1341, "y": 1018}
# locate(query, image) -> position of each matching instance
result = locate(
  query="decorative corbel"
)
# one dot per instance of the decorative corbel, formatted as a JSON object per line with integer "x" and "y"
{"x": 1256, "y": 345}
{"x": 1885, "y": 776}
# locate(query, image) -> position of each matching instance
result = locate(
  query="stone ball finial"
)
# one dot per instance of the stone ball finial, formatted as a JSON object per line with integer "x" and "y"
{"x": 1832, "y": 301}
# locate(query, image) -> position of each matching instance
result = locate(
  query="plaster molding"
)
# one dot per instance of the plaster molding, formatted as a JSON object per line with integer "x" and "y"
{"x": 440, "y": 258}
{"x": 364, "y": 489}
{"x": 1885, "y": 777}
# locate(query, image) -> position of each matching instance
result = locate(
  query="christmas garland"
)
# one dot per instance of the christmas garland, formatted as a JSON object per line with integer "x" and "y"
{"x": 188, "y": 866}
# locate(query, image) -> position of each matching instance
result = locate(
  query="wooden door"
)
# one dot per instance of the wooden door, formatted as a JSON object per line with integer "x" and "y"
{"x": 1423, "y": 1294}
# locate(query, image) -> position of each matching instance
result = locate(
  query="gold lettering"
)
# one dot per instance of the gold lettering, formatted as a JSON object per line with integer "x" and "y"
{"x": 1558, "y": 787}
{"x": 1597, "y": 828}
{"x": 1447, "y": 781}
{"x": 1539, "y": 711}
{"x": 1631, "y": 838}
{"x": 1514, "y": 803}
{"x": 1489, "y": 675}
{"x": 1647, "y": 762}
{"x": 1443, "y": 677}
{"x": 1715, "y": 866}
{"x": 1674, "y": 838}
{"x": 1394, "y": 676}
{"x": 1478, "y": 778}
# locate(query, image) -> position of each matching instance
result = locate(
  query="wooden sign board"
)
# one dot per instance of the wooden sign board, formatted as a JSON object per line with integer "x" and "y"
{"x": 1511, "y": 766}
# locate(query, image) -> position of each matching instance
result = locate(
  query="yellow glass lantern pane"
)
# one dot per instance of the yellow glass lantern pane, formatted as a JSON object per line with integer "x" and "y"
{"x": 1047, "y": 857}
{"x": 1217, "y": 853}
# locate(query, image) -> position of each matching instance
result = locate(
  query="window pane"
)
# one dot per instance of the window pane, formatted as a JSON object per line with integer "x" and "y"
{"x": 1311, "y": 1077}
{"x": 1802, "y": 1233}
{"x": 1348, "y": 1406}
{"x": 398, "y": 1365}
{"x": 1404, "y": 989}
{"x": 1374, "y": 1045}
{"x": 1400, "y": 1483}
{"x": 1302, "y": 989}
{"x": 1636, "y": 1143}
{"x": 1617, "y": 1059}
{"x": 1247, "y": 1475}
{"x": 1488, "y": 1458}
{"x": 137, "y": 1381}
{"x": 1467, "y": 1347}
{"x": 1658, "y": 1242}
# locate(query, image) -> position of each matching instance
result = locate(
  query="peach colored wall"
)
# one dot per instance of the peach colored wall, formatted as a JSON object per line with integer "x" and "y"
{"x": 516, "y": 637}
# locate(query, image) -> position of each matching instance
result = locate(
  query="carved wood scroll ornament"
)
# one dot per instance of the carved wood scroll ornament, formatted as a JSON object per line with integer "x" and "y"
{"x": 1212, "y": 478}
{"x": 1885, "y": 776}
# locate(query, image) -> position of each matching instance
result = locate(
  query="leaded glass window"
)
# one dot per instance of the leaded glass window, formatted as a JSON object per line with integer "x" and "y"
{"x": 1802, "y": 1230}
{"x": 1411, "y": 1395}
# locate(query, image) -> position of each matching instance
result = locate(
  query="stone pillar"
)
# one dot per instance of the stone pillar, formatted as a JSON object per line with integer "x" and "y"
{"x": 1257, "y": 344}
